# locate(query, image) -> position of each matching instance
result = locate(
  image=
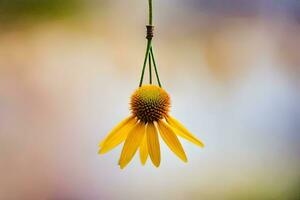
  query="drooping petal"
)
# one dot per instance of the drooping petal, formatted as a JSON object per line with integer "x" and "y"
{"x": 144, "y": 150}
{"x": 171, "y": 139}
{"x": 183, "y": 132}
{"x": 117, "y": 135}
{"x": 116, "y": 129}
{"x": 132, "y": 142}
{"x": 153, "y": 144}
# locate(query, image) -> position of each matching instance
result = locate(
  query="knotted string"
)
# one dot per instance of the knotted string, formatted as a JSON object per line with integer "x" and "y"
{"x": 149, "y": 51}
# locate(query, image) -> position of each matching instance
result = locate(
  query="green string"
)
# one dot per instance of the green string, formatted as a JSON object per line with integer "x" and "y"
{"x": 150, "y": 67}
{"x": 150, "y": 12}
{"x": 149, "y": 53}
{"x": 155, "y": 68}
{"x": 145, "y": 62}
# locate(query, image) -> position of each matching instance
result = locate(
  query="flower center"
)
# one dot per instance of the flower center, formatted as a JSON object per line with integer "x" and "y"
{"x": 150, "y": 103}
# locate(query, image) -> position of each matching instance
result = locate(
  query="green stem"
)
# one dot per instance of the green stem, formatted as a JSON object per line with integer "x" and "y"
{"x": 150, "y": 23}
{"x": 150, "y": 68}
{"x": 149, "y": 53}
{"x": 150, "y": 12}
{"x": 145, "y": 61}
{"x": 155, "y": 68}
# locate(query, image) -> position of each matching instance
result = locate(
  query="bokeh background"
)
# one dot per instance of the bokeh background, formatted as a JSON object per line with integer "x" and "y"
{"x": 68, "y": 68}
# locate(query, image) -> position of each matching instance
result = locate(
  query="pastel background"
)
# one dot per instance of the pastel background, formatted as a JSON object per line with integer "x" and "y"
{"x": 68, "y": 68}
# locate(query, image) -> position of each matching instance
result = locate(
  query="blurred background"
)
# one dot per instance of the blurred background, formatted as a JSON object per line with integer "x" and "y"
{"x": 68, "y": 68}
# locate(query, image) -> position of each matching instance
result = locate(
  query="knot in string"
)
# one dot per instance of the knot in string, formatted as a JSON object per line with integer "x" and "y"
{"x": 149, "y": 55}
{"x": 150, "y": 32}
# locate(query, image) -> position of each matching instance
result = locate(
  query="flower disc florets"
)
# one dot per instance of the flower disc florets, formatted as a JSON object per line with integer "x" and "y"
{"x": 150, "y": 103}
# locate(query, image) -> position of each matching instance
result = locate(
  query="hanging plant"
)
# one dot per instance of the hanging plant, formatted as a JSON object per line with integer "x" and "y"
{"x": 150, "y": 105}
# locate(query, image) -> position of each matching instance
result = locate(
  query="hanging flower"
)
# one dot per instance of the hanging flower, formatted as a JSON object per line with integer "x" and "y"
{"x": 150, "y": 117}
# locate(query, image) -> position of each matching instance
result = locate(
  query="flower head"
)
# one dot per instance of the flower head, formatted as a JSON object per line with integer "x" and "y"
{"x": 150, "y": 103}
{"x": 150, "y": 106}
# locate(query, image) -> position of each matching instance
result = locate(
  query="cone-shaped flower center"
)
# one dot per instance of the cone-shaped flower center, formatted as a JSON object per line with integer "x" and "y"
{"x": 150, "y": 103}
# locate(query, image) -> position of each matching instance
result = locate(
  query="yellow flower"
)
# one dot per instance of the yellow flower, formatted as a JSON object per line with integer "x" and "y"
{"x": 150, "y": 106}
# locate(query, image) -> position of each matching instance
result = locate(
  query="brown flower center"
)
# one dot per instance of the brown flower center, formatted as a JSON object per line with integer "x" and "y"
{"x": 150, "y": 103}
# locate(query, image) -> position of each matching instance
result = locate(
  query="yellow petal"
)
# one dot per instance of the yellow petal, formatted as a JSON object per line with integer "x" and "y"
{"x": 144, "y": 150}
{"x": 117, "y": 135}
{"x": 171, "y": 140}
{"x": 132, "y": 143}
{"x": 153, "y": 144}
{"x": 183, "y": 132}
{"x": 116, "y": 129}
